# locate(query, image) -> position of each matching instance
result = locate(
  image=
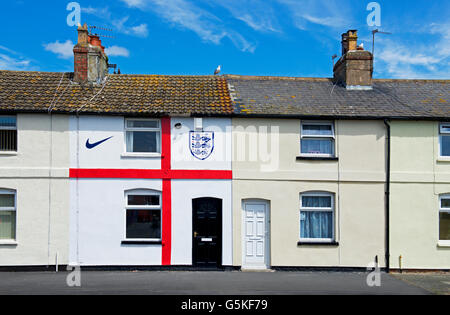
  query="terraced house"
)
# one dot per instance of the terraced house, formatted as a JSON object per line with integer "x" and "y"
{"x": 100, "y": 169}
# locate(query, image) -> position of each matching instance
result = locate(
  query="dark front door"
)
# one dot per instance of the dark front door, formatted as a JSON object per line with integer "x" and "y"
{"x": 207, "y": 228}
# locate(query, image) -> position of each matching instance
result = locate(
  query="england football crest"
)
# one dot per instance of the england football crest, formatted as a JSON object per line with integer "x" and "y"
{"x": 202, "y": 144}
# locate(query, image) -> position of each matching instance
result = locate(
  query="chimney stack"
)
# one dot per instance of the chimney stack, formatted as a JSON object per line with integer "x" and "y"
{"x": 355, "y": 68}
{"x": 90, "y": 60}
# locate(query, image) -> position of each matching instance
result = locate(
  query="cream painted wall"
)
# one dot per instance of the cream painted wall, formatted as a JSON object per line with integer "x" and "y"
{"x": 419, "y": 176}
{"x": 360, "y": 147}
{"x": 357, "y": 180}
{"x": 30, "y": 175}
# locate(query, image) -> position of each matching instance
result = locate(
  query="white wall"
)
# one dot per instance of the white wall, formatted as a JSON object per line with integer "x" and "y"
{"x": 98, "y": 229}
{"x": 220, "y": 158}
{"x": 183, "y": 191}
{"x": 110, "y": 153}
{"x": 39, "y": 175}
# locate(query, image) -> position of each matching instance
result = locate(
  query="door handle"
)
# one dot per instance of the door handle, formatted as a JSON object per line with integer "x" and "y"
{"x": 195, "y": 234}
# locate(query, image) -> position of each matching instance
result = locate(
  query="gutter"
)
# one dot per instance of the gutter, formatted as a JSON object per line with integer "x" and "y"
{"x": 388, "y": 192}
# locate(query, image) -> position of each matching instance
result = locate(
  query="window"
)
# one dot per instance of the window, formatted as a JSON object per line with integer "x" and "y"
{"x": 7, "y": 215}
{"x": 317, "y": 139}
{"x": 444, "y": 218}
{"x": 8, "y": 134}
{"x": 444, "y": 140}
{"x": 143, "y": 215}
{"x": 317, "y": 217}
{"x": 143, "y": 136}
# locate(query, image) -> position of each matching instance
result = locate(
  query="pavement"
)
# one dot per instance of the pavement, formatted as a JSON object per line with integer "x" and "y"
{"x": 206, "y": 283}
{"x": 437, "y": 283}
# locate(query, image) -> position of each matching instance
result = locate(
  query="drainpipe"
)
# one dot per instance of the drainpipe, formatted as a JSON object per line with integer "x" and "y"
{"x": 388, "y": 191}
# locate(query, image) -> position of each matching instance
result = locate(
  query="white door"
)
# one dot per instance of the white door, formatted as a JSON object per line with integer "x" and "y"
{"x": 255, "y": 236}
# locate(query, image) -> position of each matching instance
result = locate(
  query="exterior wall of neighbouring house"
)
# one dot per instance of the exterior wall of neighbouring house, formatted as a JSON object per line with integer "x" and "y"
{"x": 419, "y": 177}
{"x": 357, "y": 179}
{"x": 98, "y": 204}
{"x": 39, "y": 176}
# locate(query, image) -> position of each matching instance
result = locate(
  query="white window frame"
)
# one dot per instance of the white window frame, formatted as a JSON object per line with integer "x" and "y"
{"x": 441, "y": 134}
{"x": 307, "y": 209}
{"x": 9, "y": 209}
{"x": 11, "y": 128}
{"x": 441, "y": 209}
{"x": 130, "y": 129}
{"x": 142, "y": 192}
{"x": 319, "y": 123}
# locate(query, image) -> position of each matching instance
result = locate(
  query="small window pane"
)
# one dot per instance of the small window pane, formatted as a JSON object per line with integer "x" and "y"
{"x": 141, "y": 200}
{"x": 445, "y": 203}
{"x": 445, "y": 145}
{"x": 316, "y": 225}
{"x": 445, "y": 128}
{"x": 7, "y": 225}
{"x": 317, "y": 130}
{"x": 316, "y": 202}
{"x": 7, "y": 201}
{"x": 9, "y": 122}
{"x": 8, "y": 140}
{"x": 444, "y": 226}
{"x": 318, "y": 146}
{"x": 143, "y": 224}
{"x": 143, "y": 142}
{"x": 142, "y": 124}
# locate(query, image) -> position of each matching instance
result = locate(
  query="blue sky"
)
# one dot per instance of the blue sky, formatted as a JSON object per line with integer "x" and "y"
{"x": 249, "y": 37}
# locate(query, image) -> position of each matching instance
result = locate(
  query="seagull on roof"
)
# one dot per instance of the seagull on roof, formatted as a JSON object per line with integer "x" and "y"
{"x": 219, "y": 68}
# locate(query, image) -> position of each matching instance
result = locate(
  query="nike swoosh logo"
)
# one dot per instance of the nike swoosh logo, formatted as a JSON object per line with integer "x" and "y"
{"x": 93, "y": 145}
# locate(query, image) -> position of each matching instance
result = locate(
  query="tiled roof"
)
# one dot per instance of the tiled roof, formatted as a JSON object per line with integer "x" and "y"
{"x": 278, "y": 96}
{"x": 22, "y": 91}
{"x": 122, "y": 94}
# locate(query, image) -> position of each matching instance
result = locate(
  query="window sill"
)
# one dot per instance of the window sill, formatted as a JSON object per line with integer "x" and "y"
{"x": 445, "y": 244}
{"x": 9, "y": 153}
{"x": 318, "y": 244}
{"x": 141, "y": 242}
{"x": 141, "y": 155}
{"x": 8, "y": 243}
{"x": 444, "y": 159}
{"x": 317, "y": 158}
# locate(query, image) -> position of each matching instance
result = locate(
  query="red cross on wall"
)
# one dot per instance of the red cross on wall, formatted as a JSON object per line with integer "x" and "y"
{"x": 166, "y": 174}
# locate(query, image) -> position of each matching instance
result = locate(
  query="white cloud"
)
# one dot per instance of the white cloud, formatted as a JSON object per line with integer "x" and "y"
{"x": 409, "y": 60}
{"x": 328, "y": 13}
{"x": 139, "y": 30}
{"x": 63, "y": 50}
{"x": 135, "y": 3}
{"x": 186, "y": 15}
{"x": 11, "y": 60}
{"x": 258, "y": 15}
{"x": 117, "y": 51}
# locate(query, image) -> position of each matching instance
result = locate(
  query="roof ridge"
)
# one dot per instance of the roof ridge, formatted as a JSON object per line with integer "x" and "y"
{"x": 319, "y": 79}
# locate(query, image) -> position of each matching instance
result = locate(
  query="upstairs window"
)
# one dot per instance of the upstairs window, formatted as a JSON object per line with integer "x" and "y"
{"x": 143, "y": 136}
{"x": 7, "y": 215}
{"x": 317, "y": 139}
{"x": 444, "y": 140}
{"x": 8, "y": 134}
{"x": 317, "y": 217}
{"x": 444, "y": 218}
{"x": 143, "y": 216}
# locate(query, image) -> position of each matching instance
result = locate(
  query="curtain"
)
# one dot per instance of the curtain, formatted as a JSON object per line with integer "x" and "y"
{"x": 316, "y": 202}
{"x": 7, "y": 225}
{"x": 316, "y": 225}
{"x": 317, "y": 146}
{"x": 7, "y": 201}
